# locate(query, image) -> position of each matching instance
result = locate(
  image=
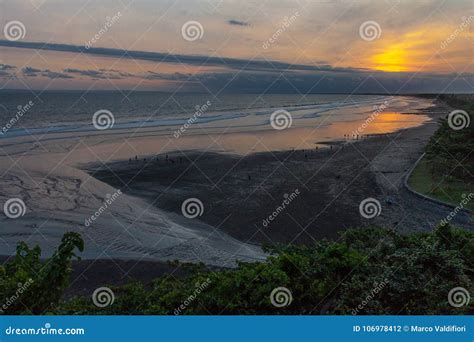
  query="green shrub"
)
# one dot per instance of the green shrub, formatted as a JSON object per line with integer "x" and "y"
{"x": 31, "y": 286}
{"x": 412, "y": 274}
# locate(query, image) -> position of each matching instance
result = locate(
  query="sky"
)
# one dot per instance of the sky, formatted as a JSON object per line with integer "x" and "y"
{"x": 272, "y": 46}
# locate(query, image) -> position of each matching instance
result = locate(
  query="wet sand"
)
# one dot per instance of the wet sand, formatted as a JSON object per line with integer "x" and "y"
{"x": 240, "y": 192}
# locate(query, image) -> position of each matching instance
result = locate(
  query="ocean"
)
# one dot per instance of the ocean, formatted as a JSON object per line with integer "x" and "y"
{"x": 73, "y": 111}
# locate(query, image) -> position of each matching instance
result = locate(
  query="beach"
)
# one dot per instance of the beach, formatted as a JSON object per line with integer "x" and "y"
{"x": 243, "y": 178}
{"x": 328, "y": 183}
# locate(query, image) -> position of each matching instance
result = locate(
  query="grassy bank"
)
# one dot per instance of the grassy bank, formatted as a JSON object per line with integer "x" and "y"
{"x": 446, "y": 172}
{"x": 368, "y": 271}
{"x": 451, "y": 191}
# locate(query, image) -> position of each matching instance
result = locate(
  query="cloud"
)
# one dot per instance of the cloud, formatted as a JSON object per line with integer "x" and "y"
{"x": 33, "y": 72}
{"x": 54, "y": 74}
{"x": 328, "y": 83}
{"x": 29, "y": 71}
{"x": 177, "y": 76}
{"x": 232, "y": 63}
{"x": 4, "y": 67}
{"x": 100, "y": 74}
{"x": 90, "y": 73}
{"x": 237, "y": 22}
{"x": 7, "y": 70}
{"x": 242, "y": 75}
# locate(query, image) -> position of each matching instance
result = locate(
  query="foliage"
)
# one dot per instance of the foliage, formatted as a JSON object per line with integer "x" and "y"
{"x": 417, "y": 272}
{"x": 31, "y": 286}
{"x": 449, "y": 152}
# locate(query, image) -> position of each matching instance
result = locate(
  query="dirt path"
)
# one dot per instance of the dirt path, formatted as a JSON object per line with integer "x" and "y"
{"x": 408, "y": 212}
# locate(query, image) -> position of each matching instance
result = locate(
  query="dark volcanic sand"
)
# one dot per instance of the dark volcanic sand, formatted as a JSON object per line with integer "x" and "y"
{"x": 239, "y": 192}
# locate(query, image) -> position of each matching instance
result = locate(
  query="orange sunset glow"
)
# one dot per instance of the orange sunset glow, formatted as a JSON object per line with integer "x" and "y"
{"x": 320, "y": 48}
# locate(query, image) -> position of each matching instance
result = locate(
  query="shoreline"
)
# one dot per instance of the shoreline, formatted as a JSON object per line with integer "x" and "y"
{"x": 333, "y": 180}
{"x": 230, "y": 185}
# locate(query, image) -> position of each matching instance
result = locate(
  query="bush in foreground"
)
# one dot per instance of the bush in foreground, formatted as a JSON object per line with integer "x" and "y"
{"x": 31, "y": 286}
{"x": 368, "y": 271}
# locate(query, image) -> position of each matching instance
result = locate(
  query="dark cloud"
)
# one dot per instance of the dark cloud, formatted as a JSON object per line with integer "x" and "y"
{"x": 5, "y": 67}
{"x": 54, "y": 74}
{"x": 33, "y": 72}
{"x": 29, "y": 71}
{"x": 7, "y": 70}
{"x": 100, "y": 74}
{"x": 240, "y": 75}
{"x": 4, "y": 73}
{"x": 177, "y": 76}
{"x": 233, "y": 63}
{"x": 237, "y": 22}
{"x": 90, "y": 73}
{"x": 330, "y": 83}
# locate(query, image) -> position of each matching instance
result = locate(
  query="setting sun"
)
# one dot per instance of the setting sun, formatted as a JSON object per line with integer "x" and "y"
{"x": 392, "y": 60}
